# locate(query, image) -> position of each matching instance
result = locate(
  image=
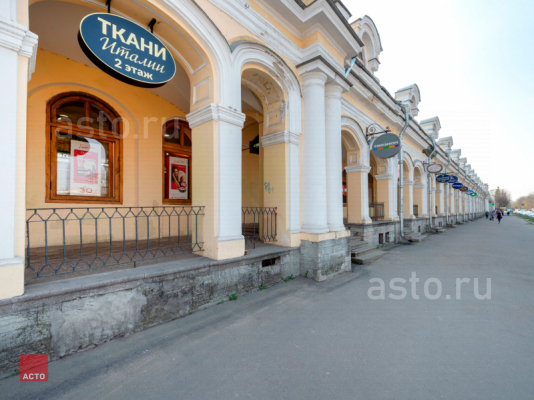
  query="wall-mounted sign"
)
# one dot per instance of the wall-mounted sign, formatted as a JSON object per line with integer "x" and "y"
{"x": 474, "y": 194}
{"x": 457, "y": 185}
{"x": 469, "y": 192}
{"x": 464, "y": 189}
{"x": 126, "y": 50}
{"x": 434, "y": 168}
{"x": 386, "y": 146}
{"x": 443, "y": 178}
{"x": 492, "y": 204}
{"x": 454, "y": 179}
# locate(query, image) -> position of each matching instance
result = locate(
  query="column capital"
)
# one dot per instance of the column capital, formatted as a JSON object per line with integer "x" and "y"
{"x": 334, "y": 91}
{"x": 16, "y": 37}
{"x": 273, "y": 139}
{"x": 357, "y": 168}
{"x": 384, "y": 177}
{"x": 313, "y": 78}
{"x": 215, "y": 112}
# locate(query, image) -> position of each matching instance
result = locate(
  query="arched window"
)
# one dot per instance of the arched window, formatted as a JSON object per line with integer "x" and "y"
{"x": 83, "y": 150}
{"x": 177, "y": 142}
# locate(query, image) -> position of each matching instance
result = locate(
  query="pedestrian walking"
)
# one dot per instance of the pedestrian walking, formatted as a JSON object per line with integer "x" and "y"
{"x": 487, "y": 214}
{"x": 508, "y": 213}
{"x": 499, "y": 216}
{"x": 492, "y": 215}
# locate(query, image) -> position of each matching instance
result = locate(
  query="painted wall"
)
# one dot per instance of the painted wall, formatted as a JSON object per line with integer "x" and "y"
{"x": 143, "y": 114}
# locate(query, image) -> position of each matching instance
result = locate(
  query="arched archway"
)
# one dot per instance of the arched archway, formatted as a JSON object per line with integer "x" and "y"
{"x": 356, "y": 168}
{"x": 270, "y": 89}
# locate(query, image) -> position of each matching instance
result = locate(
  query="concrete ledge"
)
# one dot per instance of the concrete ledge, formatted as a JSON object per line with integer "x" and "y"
{"x": 62, "y": 317}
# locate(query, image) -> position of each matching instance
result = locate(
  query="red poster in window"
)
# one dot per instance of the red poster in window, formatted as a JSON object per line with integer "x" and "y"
{"x": 177, "y": 178}
{"x": 85, "y": 165}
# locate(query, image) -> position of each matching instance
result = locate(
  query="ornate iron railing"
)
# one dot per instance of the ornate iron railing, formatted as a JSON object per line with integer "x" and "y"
{"x": 64, "y": 240}
{"x": 259, "y": 224}
{"x": 376, "y": 211}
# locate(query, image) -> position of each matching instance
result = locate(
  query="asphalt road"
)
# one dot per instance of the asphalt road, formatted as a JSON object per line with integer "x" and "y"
{"x": 307, "y": 340}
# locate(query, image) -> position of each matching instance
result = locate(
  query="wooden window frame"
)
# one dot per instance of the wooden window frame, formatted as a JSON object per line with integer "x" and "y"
{"x": 113, "y": 138}
{"x": 181, "y": 151}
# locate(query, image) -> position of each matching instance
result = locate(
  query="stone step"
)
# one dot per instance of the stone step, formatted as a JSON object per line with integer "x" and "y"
{"x": 367, "y": 258}
{"x": 451, "y": 226}
{"x": 355, "y": 245}
{"x": 439, "y": 230}
{"x": 419, "y": 238}
{"x": 360, "y": 251}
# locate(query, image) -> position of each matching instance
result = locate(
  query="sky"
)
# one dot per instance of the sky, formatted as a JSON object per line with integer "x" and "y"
{"x": 473, "y": 61}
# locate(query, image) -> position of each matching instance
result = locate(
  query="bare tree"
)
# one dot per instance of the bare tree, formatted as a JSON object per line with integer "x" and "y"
{"x": 502, "y": 197}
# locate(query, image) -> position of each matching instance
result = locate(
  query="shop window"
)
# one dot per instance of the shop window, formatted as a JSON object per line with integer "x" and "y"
{"x": 177, "y": 142}
{"x": 84, "y": 150}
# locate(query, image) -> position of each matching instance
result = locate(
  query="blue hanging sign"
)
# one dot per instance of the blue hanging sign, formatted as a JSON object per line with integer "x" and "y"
{"x": 454, "y": 179}
{"x": 443, "y": 178}
{"x": 469, "y": 192}
{"x": 457, "y": 185}
{"x": 126, "y": 50}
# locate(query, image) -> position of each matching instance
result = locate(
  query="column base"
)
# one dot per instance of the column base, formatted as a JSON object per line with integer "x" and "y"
{"x": 321, "y": 260}
{"x": 11, "y": 279}
{"x": 222, "y": 249}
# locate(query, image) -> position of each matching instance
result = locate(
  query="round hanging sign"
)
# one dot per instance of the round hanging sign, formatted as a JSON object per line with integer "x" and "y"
{"x": 126, "y": 50}
{"x": 469, "y": 192}
{"x": 474, "y": 194}
{"x": 386, "y": 146}
{"x": 464, "y": 189}
{"x": 454, "y": 179}
{"x": 457, "y": 185}
{"x": 434, "y": 168}
{"x": 443, "y": 178}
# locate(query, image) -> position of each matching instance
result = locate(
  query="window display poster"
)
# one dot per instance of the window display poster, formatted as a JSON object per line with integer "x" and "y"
{"x": 85, "y": 166}
{"x": 177, "y": 178}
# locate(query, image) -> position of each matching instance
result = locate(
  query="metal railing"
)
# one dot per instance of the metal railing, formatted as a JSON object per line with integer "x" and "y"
{"x": 376, "y": 211}
{"x": 416, "y": 210}
{"x": 259, "y": 224}
{"x": 64, "y": 240}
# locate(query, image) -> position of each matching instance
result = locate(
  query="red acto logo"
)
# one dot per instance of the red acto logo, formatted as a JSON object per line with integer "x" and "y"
{"x": 34, "y": 367}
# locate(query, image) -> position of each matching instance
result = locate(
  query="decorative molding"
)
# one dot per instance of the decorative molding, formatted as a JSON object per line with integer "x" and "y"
{"x": 15, "y": 37}
{"x": 384, "y": 177}
{"x": 197, "y": 87}
{"x": 267, "y": 32}
{"x": 357, "y": 168}
{"x": 273, "y": 139}
{"x": 353, "y": 159}
{"x": 419, "y": 186}
{"x": 215, "y": 112}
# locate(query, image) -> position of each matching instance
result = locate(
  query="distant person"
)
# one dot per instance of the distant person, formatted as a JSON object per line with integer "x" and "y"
{"x": 493, "y": 215}
{"x": 508, "y": 213}
{"x": 487, "y": 214}
{"x": 499, "y": 216}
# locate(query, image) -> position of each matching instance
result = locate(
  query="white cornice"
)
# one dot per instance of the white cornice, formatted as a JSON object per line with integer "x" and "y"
{"x": 273, "y": 139}
{"x": 215, "y": 112}
{"x": 384, "y": 177}
{"x": 18, "y": 38}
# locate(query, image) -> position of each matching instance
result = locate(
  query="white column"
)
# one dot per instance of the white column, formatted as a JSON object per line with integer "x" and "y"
{"x": 217, "y": 165}
{"x": 334, "y": 163}
{"x": 17, "y": 60}
{"x": 314, "y": 200}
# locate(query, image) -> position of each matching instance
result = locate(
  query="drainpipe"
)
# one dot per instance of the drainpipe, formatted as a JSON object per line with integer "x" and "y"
{"x": 429, "y": 185}
{"x": 401, "y": 169}
{"x": 447, "y": 194}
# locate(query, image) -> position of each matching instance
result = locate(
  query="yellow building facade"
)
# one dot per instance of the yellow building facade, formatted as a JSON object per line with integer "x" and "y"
{"x": 259, "y": 143}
